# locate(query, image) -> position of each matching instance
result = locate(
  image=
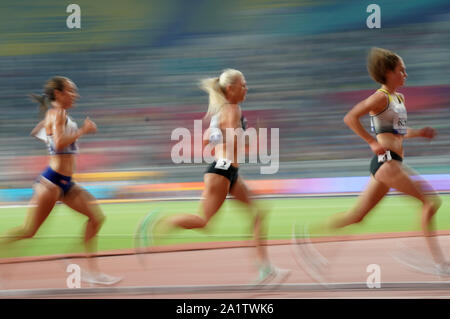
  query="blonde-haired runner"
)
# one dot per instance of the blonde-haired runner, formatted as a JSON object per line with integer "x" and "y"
{"x": 221, "y": 177}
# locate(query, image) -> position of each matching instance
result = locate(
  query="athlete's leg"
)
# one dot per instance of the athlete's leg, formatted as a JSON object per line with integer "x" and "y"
{"x": 267, "y": 271}
{"x": 371, "y": 196}
{"x": 214, "y": 194}
{"x": 424, "y": 186}
{"x": 43, "y": 201}
{"x": 311, "y": 260}
{"x": 83, "y": 202}
{"x": 398, "y": 176}
{"x": 242, "y": 194}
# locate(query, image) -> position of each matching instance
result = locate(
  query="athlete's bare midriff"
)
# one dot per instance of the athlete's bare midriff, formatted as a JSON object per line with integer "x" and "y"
{"x": 390, "y": 141}
{"x": 63, "y": 164}
{"x": 220, "y": 150}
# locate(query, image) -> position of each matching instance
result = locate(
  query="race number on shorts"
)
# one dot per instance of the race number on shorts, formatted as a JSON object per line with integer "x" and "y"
{"x": 223, "y": 163}
{"x": 386, "y": 157}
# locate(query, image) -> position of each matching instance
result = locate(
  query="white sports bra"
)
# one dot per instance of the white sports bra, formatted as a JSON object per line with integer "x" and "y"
{"x": 70, "y": 127}
{"x": 393, "y": 119}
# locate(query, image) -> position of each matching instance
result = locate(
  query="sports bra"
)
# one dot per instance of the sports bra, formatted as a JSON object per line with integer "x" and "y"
{"x": 215, "y": 136}
{"x": 70, "y": 128}
{"x": 393, "y": 119}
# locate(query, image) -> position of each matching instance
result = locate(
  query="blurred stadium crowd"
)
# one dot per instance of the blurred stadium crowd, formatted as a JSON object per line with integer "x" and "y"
{"x": 304, "y": 63}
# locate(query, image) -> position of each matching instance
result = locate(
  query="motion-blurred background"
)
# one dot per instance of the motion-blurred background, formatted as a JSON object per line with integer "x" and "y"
{"x": 137, "y": 65}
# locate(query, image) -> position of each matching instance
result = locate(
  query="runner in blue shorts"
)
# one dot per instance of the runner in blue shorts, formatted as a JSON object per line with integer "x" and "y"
{"x": 61, "y": 133}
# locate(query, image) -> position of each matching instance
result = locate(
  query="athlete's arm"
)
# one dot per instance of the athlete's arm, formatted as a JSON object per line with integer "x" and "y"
{"x": 427, "y": 132}
{"x": 373, "y": 104}
{"x": 205, "y": 140}
{"x": 61, "y": 138}
{"x": 230, "y": 119}
{"x": 37, "y": 128}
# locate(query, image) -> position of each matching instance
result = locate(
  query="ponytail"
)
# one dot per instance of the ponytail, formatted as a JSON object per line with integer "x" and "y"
{"x": 41, "y": 99}
{"x": 216, "y": 96}
{"x": 55, "y": 83}
{"x": 215, "y": 88}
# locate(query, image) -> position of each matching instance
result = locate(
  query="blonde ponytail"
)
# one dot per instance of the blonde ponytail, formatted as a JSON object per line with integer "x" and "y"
{"x": 215, "y": 88}
{"x": 216, "y": 96}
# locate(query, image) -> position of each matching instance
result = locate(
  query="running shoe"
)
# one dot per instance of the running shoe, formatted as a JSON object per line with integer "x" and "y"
{"x": 271, "y": 274}
{"x": 99, "y": 278}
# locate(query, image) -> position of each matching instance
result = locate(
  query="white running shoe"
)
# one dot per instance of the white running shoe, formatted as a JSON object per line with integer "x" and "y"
{"x": 271, "y": 274}
{"x": 280, "y": 275}
{"x": 99, "y": 278}
{"x": 307, "y": 257}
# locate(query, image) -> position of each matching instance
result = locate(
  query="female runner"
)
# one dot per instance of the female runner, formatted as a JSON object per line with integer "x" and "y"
{"x": 221, "y": 177}
{"x": 55, "y": 183}
{"x": 387, "y": 111}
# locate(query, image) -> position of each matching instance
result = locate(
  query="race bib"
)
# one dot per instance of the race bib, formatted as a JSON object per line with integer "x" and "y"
{"x": 386, "y": 157}
{"x": 400, "y": 123}
{"x": 223, "y": 163}
{"x": 400, "y": 120}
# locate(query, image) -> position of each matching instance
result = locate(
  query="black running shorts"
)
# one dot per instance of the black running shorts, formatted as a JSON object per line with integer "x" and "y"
{"x": 231, "y": 173}
{"x": 375, "y": 164}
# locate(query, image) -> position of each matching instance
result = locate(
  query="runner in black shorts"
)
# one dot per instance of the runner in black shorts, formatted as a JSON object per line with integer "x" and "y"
{"x": 231, "y": 173}
{"x": 389, "y": 122}
{"x": 221, "y": 178}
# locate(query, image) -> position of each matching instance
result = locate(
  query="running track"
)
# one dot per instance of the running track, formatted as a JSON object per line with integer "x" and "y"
{"x": 227, "y": 273}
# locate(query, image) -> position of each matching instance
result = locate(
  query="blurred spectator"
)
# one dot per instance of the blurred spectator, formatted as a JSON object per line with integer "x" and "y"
{"x": 304, "y": 73}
